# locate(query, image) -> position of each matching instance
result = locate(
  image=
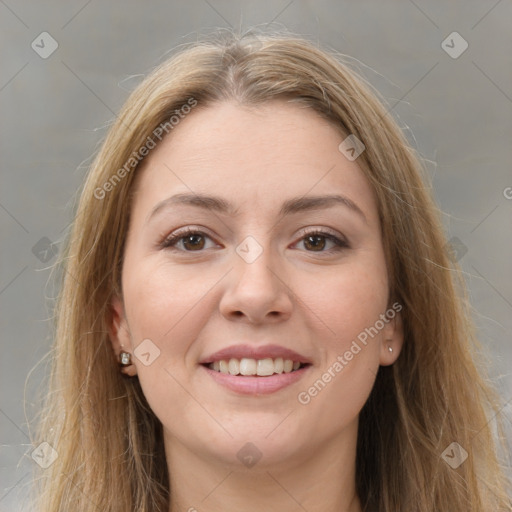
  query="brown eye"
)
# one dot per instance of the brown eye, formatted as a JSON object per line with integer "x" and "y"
{"x": 315, "y": 242}
{"x": 193, "y": 242}
{"x": 322, "y": 242}
{"x": 189, "y": 240}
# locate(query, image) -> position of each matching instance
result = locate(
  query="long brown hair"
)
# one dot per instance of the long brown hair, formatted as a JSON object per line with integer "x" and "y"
{"x": 109, "y": 442}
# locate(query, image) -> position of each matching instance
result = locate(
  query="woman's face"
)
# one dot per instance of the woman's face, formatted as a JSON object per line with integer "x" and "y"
{"x": 256, "y": 242}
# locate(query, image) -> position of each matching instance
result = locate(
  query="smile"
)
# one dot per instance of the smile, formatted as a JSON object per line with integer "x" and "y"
{"x": 246, "y": 369}
{"x": 251, "y": 367}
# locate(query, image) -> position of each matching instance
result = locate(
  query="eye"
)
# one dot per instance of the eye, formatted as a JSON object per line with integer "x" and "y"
{"x": 319, "y": 241}
{"x": 187, "y": 240}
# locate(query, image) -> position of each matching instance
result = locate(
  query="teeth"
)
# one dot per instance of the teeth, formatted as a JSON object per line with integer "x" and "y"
{"x": 247, "y": 366}
{"x": 234, "y": 366}
{"x": 265, "y": 367}
{"x": 260, "y": 367}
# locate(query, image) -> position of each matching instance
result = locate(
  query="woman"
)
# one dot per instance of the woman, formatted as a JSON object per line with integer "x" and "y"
{"x": 258, "y": 310}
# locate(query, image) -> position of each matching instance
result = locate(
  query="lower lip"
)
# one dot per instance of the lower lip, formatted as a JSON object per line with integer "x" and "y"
{"x": 247, "y": 385}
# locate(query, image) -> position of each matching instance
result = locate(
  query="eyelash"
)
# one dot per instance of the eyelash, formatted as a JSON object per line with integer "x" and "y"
{"x": 170, "y": 241}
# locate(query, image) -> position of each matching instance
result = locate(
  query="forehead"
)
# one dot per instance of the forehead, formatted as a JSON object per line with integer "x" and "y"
{"x": 255, "y": 157}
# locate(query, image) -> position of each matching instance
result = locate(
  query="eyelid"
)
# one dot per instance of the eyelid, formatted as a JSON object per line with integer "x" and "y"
{"x": 323, "y": 231}
{"x": 319, "y": 229}
{"x": 177, "y": 234}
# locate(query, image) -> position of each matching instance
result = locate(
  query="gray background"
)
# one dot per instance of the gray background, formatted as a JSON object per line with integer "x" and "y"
{"x": 55, "y": 111}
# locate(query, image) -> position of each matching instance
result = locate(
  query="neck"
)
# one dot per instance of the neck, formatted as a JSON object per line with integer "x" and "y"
{"x": 324, "y": 480}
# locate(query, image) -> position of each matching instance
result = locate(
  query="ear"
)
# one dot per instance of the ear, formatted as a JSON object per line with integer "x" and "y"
{"x": 119, "y": 334}
{"x": 392, "y": 336}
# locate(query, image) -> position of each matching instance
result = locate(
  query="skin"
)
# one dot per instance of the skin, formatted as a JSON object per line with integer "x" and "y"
{"x": 316, "y": 302}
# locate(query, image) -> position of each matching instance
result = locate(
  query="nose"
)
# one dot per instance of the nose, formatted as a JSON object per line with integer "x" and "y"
{"x": 257, "y": 291}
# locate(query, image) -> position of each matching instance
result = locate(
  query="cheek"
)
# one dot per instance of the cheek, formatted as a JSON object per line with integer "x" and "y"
{"x": 349, "y": 305}
{"x": 161, "y": 301}
{"x": 169, "y": 309}
{"x": 347, "y": 300}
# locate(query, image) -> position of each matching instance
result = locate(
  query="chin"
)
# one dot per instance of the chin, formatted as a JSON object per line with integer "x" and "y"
{"x": 252, "y": 447}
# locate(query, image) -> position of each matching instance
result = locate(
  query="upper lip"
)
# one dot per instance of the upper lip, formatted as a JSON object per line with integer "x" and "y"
{"x": 251, "y": 352}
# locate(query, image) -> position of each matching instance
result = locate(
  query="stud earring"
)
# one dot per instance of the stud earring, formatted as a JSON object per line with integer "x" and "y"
{"x": 125, "y": 359}
{"x": 390, "y": 349}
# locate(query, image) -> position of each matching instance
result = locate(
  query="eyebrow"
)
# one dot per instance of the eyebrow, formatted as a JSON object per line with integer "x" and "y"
{"x": 290, "y": 206}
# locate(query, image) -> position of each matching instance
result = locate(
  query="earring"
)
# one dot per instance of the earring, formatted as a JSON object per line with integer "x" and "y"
{"x": 390, "y": 349}
{"x": 125, "y": 359}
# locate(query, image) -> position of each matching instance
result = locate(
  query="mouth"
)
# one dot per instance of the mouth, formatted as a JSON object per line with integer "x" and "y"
{"x": 248, "y": 367}
{"x": 250, "y": 370}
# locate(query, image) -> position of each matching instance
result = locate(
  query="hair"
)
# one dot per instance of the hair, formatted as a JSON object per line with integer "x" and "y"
{"x": 110, "y": 443}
